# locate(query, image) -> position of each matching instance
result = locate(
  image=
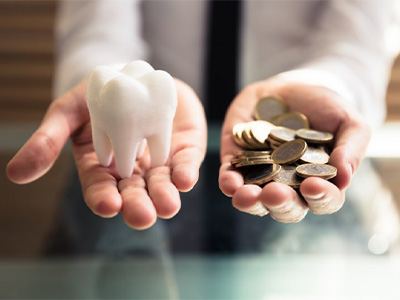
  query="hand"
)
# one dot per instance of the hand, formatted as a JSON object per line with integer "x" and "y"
{"x": 323, "y": 108}
{"x": 148, "y": 193}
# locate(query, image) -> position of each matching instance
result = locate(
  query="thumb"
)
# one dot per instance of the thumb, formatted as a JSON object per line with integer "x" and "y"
{"x": 39, "y": 153}
{"x": 352, "y": 141}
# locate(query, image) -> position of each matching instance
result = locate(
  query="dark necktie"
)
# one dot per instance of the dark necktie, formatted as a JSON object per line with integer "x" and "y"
{"x": 222, "y": 57}
{"x": 221, "y": 85}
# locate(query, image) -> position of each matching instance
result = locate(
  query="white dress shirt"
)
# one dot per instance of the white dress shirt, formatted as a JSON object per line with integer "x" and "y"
{"x": 338, "y": 44}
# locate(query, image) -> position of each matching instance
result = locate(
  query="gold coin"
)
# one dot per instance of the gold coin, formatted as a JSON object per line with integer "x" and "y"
{"x": 241, "y": 157}
{"x": 252, "y": 162}
{"x": 247, "y": 142}
{"x": 235, "y": 161}
{"x": 274, "y": 145}
{"x": 239, "y": 141}
{"x": 316, "y": 170}
{"x": 269, "y": 107}
{"x": 252, "y": 157}
{"x": 314, "y": 136}
{"x": 250, "y": 153}
{"x": 260, "y": 174}
{"x": 287, "y": 175}
{"x": 271, "y": 140}
{"x": 246, "y": 163}
{"x": 315, "y": 156}
{"x": 289, "y": 152}
{"x": 248, "y": 139}
{"x": 259, "y": 130}
{"x": 238, "y": 128}
{"x": 237, "y": 131}
{"x": 282, "y": 134}
{"x": 251, "y": 143}
{"x": 292, "y": 120}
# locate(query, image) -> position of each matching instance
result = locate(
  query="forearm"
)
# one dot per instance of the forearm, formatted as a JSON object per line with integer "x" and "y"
{"x": 351, "y": 54}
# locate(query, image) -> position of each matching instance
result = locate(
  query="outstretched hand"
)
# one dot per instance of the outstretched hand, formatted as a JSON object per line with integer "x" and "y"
{"x": 325, "y": 112}
{"x": 150, "y": 192}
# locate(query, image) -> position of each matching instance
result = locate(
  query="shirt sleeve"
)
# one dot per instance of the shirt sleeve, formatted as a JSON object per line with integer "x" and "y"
{"x": 90, "y": 33}
{"x": 350, "y": 45}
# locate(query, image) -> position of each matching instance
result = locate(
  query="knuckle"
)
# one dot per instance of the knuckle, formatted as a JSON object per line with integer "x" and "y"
{"x": 56, "y": 106}
{"x": 133, "y": 182}
{"x": 43, "y": 152}
{"x": 48, "y": 142}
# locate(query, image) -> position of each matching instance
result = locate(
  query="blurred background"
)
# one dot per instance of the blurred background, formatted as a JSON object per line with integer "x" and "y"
{"x": 26, "y": 70}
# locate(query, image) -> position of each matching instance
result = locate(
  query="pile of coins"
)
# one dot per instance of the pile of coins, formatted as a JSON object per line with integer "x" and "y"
{"x": 280, "y": 146}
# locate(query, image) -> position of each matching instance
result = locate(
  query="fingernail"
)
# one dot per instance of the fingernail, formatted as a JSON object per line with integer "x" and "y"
{"x": 316, "y": 197}
{"x": 350, "y": 168}
{"x": 258, "y": 210}
{"x": 283, "y": 208}
{"x": 290, "y": 213}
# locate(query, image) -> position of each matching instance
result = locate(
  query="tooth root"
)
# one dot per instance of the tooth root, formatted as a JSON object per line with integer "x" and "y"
{"x": 141, "y": 148}
{"x": 159, "y": 146}
{"x": 102, "y": 146}
{"x": 125, "y": 150}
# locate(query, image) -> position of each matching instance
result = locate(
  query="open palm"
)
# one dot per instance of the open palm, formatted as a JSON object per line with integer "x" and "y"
{"x": 326, "y": 112}
{"x": 149, "y": 192}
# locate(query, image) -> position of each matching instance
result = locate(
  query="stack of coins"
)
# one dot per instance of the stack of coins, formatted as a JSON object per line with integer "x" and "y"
{"x": 280, "y": 146}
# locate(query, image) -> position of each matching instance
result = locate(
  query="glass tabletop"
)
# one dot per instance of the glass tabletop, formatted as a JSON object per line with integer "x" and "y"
{"x": 204, "y": 277}
{"x": 211, "y": 251}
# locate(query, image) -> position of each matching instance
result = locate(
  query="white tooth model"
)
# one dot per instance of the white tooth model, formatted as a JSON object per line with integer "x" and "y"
{"x": 128, "y": 104}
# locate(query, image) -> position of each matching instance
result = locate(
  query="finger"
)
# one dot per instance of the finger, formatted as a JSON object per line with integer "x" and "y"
{"x": 163, "y": 192}
{"x": 189, "y": 139}
{"x": 138, "y": 209}
{"x": 229, "y": 180}
{"x": 239, "y": 111}
{"x": 351, "y": 143}
{"x": 283, "y": 203}
{"x": 322, "y": 196}
{"x": 99, "y": 186}
{"x": 185, "y": 167}
{"x": 245, "y": 200}
{"x": 39, "y": 153}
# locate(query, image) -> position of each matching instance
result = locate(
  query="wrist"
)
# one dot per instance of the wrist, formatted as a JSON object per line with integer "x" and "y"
{"x": 321, "y": 78}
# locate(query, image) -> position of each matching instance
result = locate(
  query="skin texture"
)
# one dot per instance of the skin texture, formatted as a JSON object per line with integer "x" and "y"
{"x": 325, "y": 112}
{"x": 148, "y": 193}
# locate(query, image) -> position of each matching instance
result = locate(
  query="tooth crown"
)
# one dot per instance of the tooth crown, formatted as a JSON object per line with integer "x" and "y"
{"x": 126, "y": 105}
